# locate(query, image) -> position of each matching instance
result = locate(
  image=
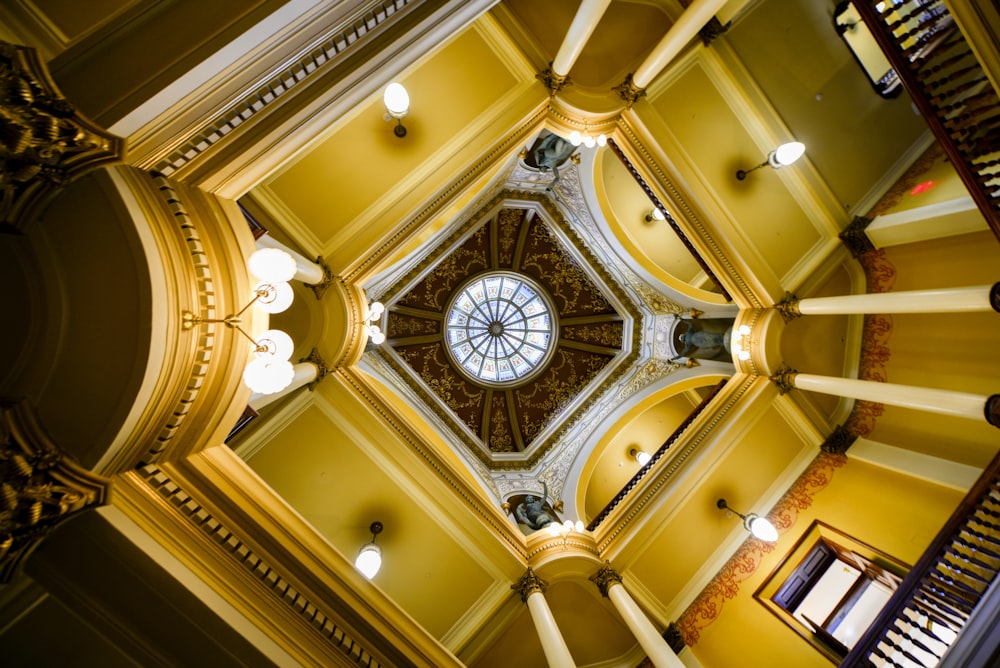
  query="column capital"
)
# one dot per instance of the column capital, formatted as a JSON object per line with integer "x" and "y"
{"x": 839, "y": 440}
{"x": 606, "y": 577}
{"x": 855, "y": 239}
{"x": 319, "y": 288}
{"x": 788, "y": 307}
{"x": 784, "y": 378}
{"x": 553, "y": 81}
{"x": 628, "y": 91}
{"x": 321, "y": 368}
{"x": 992, "y": 410}
{"x": 529, "y": 584}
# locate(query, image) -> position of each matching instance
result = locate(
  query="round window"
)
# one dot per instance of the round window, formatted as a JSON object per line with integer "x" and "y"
{"x": 500, "y": 328}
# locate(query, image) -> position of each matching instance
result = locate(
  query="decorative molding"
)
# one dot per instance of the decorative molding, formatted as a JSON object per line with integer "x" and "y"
{"x": 788, "y": 307}
{"x": 707, "y": 607}
{"x": 317, "y": 60}
{"x": 248, "y": 559}
{"x": 45, "y": 143}
{"x": 605, "y": 577}
{"x": 553, "y": 82}
{"x": 40, "y": 486}
{"x": 529, "y": 584}
{"x": 784, "y": 379}
{"x": 628, "y": 91}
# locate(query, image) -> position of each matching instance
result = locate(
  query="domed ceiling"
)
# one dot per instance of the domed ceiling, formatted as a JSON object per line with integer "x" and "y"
{"x": 507, "y": 327}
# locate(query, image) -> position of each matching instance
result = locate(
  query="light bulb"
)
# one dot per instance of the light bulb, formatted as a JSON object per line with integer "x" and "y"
{"x": 588, "y": 141}
{"x": 744, "y": 329}
{"x": 397, "y": 100}
{"x": 272, "y": 265}
{"x": 369, "y": 560}
{"x": 786, "y": 154}
{"x": 602, "y": 140}
{"x": 375, "y": 309}
{"x": 579, "y": 526}
{"x": 761, "y": 528}
{"x": 375, "y": 334}
{"x": 575, "y": 138}
{"x": 276, "y": 345}
{"x": 554, "y": 528}
{"x": 276, "y": 297}
{"x": 744, "y": 355}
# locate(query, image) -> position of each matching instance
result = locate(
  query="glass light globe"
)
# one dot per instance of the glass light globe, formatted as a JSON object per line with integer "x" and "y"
{"x": 744, "y": 329}
{"x": 397, "y": 100}
{"x": 744, "y": 355}
{"x": 589, "y": 141}
{"x": 554, "y": 528}
{"x": 276, "y": 298}
{"x": 375, "y": 335}
{"x": 642, "y": 457}
{"x": 375, "y": 309}
{"x": 272, "y": 265}
{"x": 276, "y": 345}
{"x": 264, "y": 377}
{"x": 786, "y": 154}
{"x": 575, "y": 138}
{"x": 602, "y": 140}
{"x": 761, "y": 528}
{"x": 369, "y": 560}
{"x": 579, "y": 526}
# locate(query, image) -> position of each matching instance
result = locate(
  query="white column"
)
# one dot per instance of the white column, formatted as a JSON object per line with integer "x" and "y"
{"x": 588, "y": 15}
{"x": 656, "y": 648}
{"x": 945, "y": 300}
{"x": 531, "y": 587}
{"x": 305, "y": 373}
{"x": 690, "y": 22}
{"x": 306, "y": 270}
{"x": 946, "y": 402}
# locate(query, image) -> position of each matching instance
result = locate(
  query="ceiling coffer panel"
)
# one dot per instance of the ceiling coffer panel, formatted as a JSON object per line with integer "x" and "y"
{"x": 587, "y": 335}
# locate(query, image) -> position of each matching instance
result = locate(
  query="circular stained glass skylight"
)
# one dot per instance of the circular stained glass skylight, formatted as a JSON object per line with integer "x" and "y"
{"x": 500, "y": 328}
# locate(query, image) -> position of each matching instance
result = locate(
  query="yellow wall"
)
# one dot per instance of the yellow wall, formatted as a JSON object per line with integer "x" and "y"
{"x": 890, "y": 511}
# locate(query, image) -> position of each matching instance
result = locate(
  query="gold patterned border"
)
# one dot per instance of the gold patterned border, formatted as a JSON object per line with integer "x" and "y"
{"x": 744, "y": 563}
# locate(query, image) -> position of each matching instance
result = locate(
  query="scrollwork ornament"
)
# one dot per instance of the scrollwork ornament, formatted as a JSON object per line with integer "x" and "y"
{"x": 628, "y": 91}
{"x": 529, "y": 584}
{"x": 552, "y": 81}
{"x": 784, "y": 379}
{"x": 606, "y": 577}
{"x": 788, "y": 307}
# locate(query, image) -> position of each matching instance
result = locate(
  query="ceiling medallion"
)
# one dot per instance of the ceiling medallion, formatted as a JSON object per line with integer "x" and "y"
{"x": 500, "y": 328}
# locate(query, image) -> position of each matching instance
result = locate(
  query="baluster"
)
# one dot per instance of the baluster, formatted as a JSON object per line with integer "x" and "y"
{"x": 907, "y": 630}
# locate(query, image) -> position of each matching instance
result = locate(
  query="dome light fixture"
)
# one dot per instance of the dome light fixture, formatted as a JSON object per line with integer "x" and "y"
{"x": 782, "y": 156}
{"x": 759, "y": 526}
{"x": 369, "y": 558}
{"x": 640, "y": 456}
{"x": 375, "y": 334}
{"x": 576, "y": 138}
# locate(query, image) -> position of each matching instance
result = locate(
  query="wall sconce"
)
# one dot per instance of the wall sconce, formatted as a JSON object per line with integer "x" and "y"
{"x": 655, "y": 215}
{"x": 780, "y": 157}
{"x": 397, "y": 106}
{"x": 754, "y": 523}
{"x": 370, "y": 557}
{"x": 741, "y": 343}
{"x": 640, "y": 456}
{"x": 576, "y": 138}
{"x": 375, "y": 334}
{"x": 269, "y": 371}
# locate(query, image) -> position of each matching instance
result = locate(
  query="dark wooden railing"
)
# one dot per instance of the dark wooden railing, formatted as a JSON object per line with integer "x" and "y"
{"x": 948, "y": 85}
{"x": 641, "y": 473}
{"x": 934, "y": 602}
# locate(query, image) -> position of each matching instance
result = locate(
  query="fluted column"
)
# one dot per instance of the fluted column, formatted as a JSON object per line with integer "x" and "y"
{"x": 944, "y": 300}
{"x": 656, "y": 648}
{"x": 532, "y": 588}
{"x": 945, "y": 402}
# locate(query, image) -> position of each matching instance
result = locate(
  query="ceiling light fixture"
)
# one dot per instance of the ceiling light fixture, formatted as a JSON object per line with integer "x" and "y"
{"x": 375, "y": 334}
{"x": 741, "y": 343}
{"x": 576, "y": 138}
{"x": 270, "y": 370}
{"x": 397, "y": 106}
{"x": 370, "y": 556}
{"x": 780, "y": 157}
{"x": 754, "y": 523}
{"x": 556, "y": 529}
{"x": 655, "y": 215}
{"x": 640, "y": 456}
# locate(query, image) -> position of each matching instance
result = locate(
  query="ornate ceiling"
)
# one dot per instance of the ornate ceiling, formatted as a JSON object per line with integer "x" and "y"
{"x": 523, "y": 233}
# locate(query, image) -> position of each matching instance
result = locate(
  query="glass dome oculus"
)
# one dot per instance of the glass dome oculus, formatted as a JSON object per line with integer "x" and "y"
{"x": 500, "y": 328}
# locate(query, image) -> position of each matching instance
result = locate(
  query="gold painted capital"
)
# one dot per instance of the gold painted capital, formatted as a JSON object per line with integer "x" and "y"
{"x": 606, "y": 577}
{"x": 552, "y": 81}
{"x": 529, "y": 584}
{"x": 321, "y": 365}
{"x": 628, "y": 91}
{"x": 319, "y": 288}
{"x": 784, "y": 378}
{"x": 788, "y": 307}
